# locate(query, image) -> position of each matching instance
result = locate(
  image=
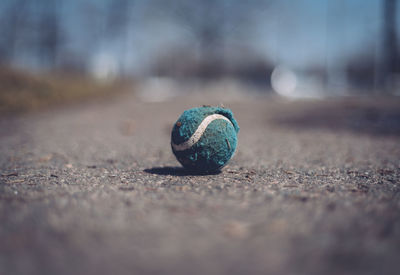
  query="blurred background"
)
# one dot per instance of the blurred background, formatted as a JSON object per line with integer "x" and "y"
{"x": 58, "y": 50}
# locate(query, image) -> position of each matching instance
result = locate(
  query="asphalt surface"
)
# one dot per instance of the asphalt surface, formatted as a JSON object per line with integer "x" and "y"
{"x": 94, "y": 189}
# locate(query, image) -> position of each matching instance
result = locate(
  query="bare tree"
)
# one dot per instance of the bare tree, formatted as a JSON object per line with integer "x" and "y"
{"x": 214, "y": 24}
{"x": 118, "y": 22}
{"x": 390, "y": 62}
{"x": 49, "y": 33}
{"x": 14, "y": 22}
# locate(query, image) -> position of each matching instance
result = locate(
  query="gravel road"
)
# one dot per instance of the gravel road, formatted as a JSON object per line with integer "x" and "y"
{"x": 314, "y": 188}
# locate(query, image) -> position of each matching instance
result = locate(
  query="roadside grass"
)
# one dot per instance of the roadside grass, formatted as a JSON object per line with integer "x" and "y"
{"x": 23, "y": 91}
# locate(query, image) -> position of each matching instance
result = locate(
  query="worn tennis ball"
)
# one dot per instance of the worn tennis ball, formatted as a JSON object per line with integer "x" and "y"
{"x": 204, "y": 139}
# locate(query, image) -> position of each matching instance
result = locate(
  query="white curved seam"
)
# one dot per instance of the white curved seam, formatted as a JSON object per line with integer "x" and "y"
{"x": 198, "y": 133}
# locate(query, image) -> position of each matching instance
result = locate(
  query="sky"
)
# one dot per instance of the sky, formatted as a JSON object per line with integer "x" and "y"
{"x": 299, "y": 33}
{"x": 310, "y": 31}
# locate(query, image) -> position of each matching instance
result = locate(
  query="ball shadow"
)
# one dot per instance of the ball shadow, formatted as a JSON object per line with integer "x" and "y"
{"x": 178, "y": 171}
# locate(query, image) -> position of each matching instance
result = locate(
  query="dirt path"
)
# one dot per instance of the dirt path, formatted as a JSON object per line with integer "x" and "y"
{"x": 94, "y": 189}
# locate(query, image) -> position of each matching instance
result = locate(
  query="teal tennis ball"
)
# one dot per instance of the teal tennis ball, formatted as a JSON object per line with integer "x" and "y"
{"x": 204, "y": 139}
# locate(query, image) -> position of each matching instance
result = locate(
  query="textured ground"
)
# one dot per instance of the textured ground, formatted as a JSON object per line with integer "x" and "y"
{"x": 94, "y": 189}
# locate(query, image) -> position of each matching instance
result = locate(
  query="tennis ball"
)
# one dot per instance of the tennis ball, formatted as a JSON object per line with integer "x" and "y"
{"x": 204, "y": 139}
